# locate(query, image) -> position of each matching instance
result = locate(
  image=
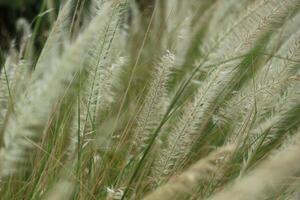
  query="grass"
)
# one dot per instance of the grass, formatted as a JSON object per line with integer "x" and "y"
{"x": 167, "y": 100}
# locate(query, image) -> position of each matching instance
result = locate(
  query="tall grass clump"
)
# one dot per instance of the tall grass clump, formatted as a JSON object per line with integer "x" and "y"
{"x": 135, "y": 99}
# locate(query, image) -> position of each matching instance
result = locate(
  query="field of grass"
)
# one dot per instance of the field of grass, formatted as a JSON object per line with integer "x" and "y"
{"x": 153, "y": 100}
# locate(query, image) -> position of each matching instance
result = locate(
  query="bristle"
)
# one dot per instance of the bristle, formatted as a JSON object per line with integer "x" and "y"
{"x": 137, "y": 99}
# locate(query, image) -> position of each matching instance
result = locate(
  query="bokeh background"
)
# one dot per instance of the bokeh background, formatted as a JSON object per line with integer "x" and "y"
{"x": 30, "y": 10}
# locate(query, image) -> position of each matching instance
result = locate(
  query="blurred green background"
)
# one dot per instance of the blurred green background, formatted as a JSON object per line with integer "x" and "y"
{"x": 10, "y": 12}
{"x": 13, "y": 10}
{"x": 16, "y": 3}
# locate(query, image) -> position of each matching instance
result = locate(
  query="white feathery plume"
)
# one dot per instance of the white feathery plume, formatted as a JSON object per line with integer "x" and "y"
{"x": 225, "y": 14}
{"x": 265, "y": 178}
{"x": 285, "y": 120}
{"x": 196, "y": 116}
{"x": 185, "y": 183}
{"x": 154, "y": 104}
{"x": 97, "y": 95}
{"x": 7, "y": 83}
{"x": 286, "y": 115}
{"x": 56, "y": 39}
{"x": 238, "y": 37}
{"x": 271, "y": 80}
{"x": 22, "y": 131}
